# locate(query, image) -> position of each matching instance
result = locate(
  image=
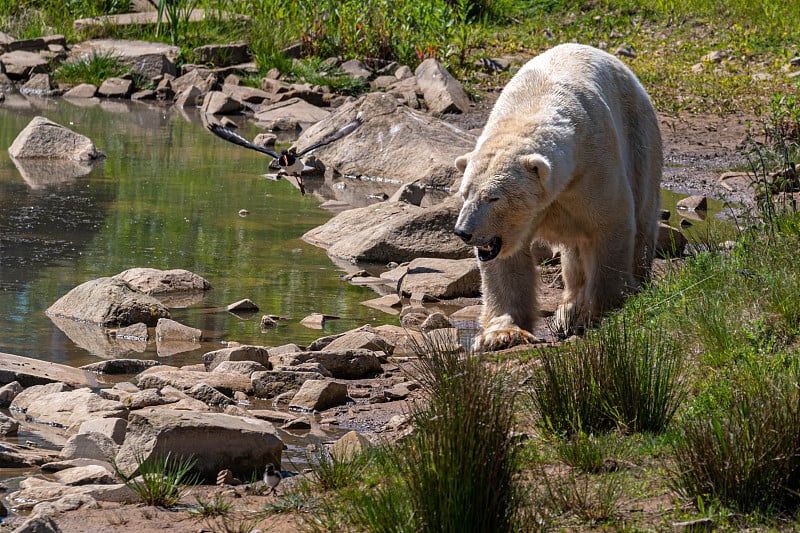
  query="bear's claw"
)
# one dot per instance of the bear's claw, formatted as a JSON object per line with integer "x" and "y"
{"x": 500, "y": 339}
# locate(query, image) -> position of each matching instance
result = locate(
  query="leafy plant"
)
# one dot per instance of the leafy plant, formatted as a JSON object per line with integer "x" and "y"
{"x": 162, "y": 479}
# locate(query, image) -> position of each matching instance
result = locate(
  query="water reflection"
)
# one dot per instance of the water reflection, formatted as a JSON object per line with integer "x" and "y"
{"x": 167, "y": 196}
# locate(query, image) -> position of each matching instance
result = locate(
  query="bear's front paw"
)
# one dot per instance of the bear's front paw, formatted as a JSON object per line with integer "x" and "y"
{"x": 500, "y": 339}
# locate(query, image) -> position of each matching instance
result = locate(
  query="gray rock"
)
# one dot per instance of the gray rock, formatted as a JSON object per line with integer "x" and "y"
{"x": 191, "y": 96}
{"x": 20, "y": 64}
{"x": 33, "y": 393}
{"x": 156, "y": 282}
{"x": 86, "y": 475}
{"x": 258, "y": 354}
{"x": 246, "y": 368}
{"x": 392, "y": 232}
{"x": 442, "y": 278}
{"x": 435, "y": 320}
{"x": 145, "y": 398}
{"x": 363, "y": 338}
{"x": 693, "y": 203}
{"x": 245, "y": 94}
{"x": 195, "y": 78}
{"x": 217, "y": 441}
{"x": 222, "y": 55}
{"x": 44, "y": 139}
{"x": 245, "y": 305}
{"x": 209, "y": 395}
{"x": 38, "y": 523}
{"x": 39, "y": 85}
{"x": 120, "y": 366}
{"x": 89, "y": 445}
{"x": 70, "y": 408}
{"x": 8, "y": 392}
{"x": 343, "y": 364}
{"x": 83, "y": 90}
{"x": 671, "y": 242}
{"x": 186, "y": 379}
{"x": 70, "y": 502}
{"x": 411, "y": 193}
{"x": 356, "y": 69}
{"x": 150, "y": 59}
{"x": 170, "y": 330}
{"x": 293, "y": 110}
{"x": 113, "y": 428}
{"x": 274, "y": 382}
{"x": 318, "y": 395}
{"x": 8, "y": 426}
{"x": 116, "y": 88}
{"x": 219, "y": 103}
{"x": 390, "y": 133}
{"x": 443, "y": 93}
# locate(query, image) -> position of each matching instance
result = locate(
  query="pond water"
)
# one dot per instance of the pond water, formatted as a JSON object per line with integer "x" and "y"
{"x": 167, "y": 196}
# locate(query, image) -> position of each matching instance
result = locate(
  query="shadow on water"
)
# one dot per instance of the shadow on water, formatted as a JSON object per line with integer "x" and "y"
{"x": 168, "y": 195}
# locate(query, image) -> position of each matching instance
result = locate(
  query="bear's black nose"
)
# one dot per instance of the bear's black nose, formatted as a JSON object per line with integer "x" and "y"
{"x": 463, "y": 235}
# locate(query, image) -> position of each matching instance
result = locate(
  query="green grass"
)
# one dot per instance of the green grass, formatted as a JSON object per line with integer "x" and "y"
{"x": 162, "y": 480}
{"x": 94, "y": 69}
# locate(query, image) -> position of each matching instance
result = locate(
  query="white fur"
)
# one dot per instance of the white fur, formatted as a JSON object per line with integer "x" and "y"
{"x": 571, "y": 155}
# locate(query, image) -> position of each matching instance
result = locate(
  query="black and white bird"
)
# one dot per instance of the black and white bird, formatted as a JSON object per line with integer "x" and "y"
{"x": 272, "y": 476}
{"x": 289, "y": 160}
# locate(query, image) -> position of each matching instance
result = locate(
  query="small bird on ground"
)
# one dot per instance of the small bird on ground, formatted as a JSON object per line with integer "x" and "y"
{"x": 289, "y": 160}
{"x": 272, "y": 476}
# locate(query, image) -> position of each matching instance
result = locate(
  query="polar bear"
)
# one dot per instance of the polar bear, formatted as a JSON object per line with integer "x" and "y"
{"x": 571, "y": 156}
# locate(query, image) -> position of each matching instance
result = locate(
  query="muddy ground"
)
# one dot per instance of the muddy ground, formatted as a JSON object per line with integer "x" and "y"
{"x": 697, "y": 149}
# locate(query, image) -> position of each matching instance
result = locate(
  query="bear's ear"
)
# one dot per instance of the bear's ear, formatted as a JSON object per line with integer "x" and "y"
{"x": 461, "y": 161}
{"x": 536, "y": 164}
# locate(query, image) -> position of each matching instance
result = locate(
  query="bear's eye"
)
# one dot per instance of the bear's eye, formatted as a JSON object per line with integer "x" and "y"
{"x": 492, "y": 199}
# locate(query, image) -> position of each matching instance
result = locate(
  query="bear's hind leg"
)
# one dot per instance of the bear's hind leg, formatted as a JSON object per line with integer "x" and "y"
{"x": 510, "y": 306}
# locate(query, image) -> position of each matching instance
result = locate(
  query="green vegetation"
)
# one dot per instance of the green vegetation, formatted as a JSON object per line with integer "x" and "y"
{"x": 94, "y": 69}
{"x": 161, "y": 480}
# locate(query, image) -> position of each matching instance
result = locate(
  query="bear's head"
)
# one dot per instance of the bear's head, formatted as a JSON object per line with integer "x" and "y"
{"x": 504, "y": 192}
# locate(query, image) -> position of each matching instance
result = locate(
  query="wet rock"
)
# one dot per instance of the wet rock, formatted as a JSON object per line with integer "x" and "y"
{"x": 389, "y": 304}
{"x": 390, "y": 133}
{"x": 137, "y": 332}
{"x": 243, "y": 445}
{"x": 44, "y": 139}
{"x": 258, "y": 354}
{"x": 443, "y": 93}
{"x": 12, "y": 456}
{"x": 693, "y": 203}
{"x": 219, "y": 103}
{"x": 172, "y": 331}
{"x": 116, "y": 88}
{"x": 318, "y": 395}
{"x": 268, "y": 322}
{"x": 120, "y": 366}
{"x": 8, "y": 392}
{"x": 110, "y": 303}
{"x": 313, "y": 321}
{"x": 387, "y": 232}
{"x": 246, "y": 305}
{"x": 156, "y": 282}
{"x": 39, "y": 85}
{"x": 89, "y": 445}
{"x": 113, "y": 428}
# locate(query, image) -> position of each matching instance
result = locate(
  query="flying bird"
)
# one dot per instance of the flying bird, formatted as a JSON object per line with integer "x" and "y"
{"x": 289, "y": 160}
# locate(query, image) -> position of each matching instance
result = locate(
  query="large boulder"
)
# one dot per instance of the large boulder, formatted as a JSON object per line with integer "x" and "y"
{"x": 293, "y": 110}
{"x": 443, "y": 93}
{"x": 44, "y": 139}
{"x": 217, "y": 441}
{"x": 149, "y": 59}
{"x": 393, "y": 142}
{"x": 318, "y": 395}
{"x": 108, "y": 302}
{"x": 395, "y": 231}
{"x": 70, "y": 408}
{"x": 344, "y": 364}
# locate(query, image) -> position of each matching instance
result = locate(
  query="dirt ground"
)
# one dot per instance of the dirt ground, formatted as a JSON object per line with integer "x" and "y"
{"x": 697, "y": 149}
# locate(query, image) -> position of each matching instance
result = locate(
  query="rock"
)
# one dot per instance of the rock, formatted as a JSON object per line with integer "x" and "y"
{"x": 70, "y": 502}
{"x": 146, "y": 398}
{"x": 86, "y": 475}
{"x": 258, "y": 354}
{"x": 293, "y": 110}
{"x": 442, "y": 278}
{"x": 313, "y": 321}
{"x": 209, "y": 395}
{"x": 189, "y": 97}
{"x": 120, "y": 366}
{"x": 57, "y": 466}
{"x": 150, "y": 59}
{"x": 20, "y": 65}
{"x": 397, "y": 392}
{"x": 693, "y": 203}
{"x": 34, "y": 489}
{"x": 246, "y": 368}
{"x": 38, "y": 523}
{"x": 113, "y": 428}
{"x": 318, "y": 395}
{"x": 343, "y": 364}
{"x": 671, "y": 242}
{"x": 89, "y": 445}
{"x": 136, "y": 332}
{"x": 350, "y": 445}
{"x": 172, "y": 331}
{"x": 245, "y": 305}
{"x": 195, "y": 78}
{"x": 388, "y": 304}
{"x": 33, "y": 393}
{"x": 222, "y": 55}
{"x": 435, "y": 321}
{"x": 305, "y": 367}
{"x": 249, "y": 95}
{"x": 44, "y": 139}
{"x": 8, "y": 392}
{"x": 411, "y": 193}
{"x": 276, "y": 417}
{"x": 268, "y": 322}
{"x": 443, "y": 93}
{"x": 217, "y": 441}
{"x": 219, "y": 103}
{"x": 398, "y": 232}
{"x": 8, "y": 426}
{"x": 83, "y": 90}
{"x": 109, "y": 303}
{"x": 274, "y": 382}
{"x": 186, "y": 379}
{"x": 39, "y": 85}
{"x": 73, "y": 407}
{"x": 390, "y": 133}
{"x": 12, "y": 456}
{"x": 364, "y": 338}
{"x": 116, "y": 88}
{"x": 157, "y": 282}
{"x": 356, "y": 69}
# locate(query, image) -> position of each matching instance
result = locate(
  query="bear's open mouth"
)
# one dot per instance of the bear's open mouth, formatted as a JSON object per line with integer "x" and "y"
{"x": 490, "y": 251}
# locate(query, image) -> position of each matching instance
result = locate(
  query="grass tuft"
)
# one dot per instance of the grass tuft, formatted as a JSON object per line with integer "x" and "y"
{"x": 162, "y": 480}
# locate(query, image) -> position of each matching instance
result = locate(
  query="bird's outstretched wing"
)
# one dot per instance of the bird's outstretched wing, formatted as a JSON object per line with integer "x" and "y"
{"x": 231, "y": 136}
{"x": 346, "y": 130}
